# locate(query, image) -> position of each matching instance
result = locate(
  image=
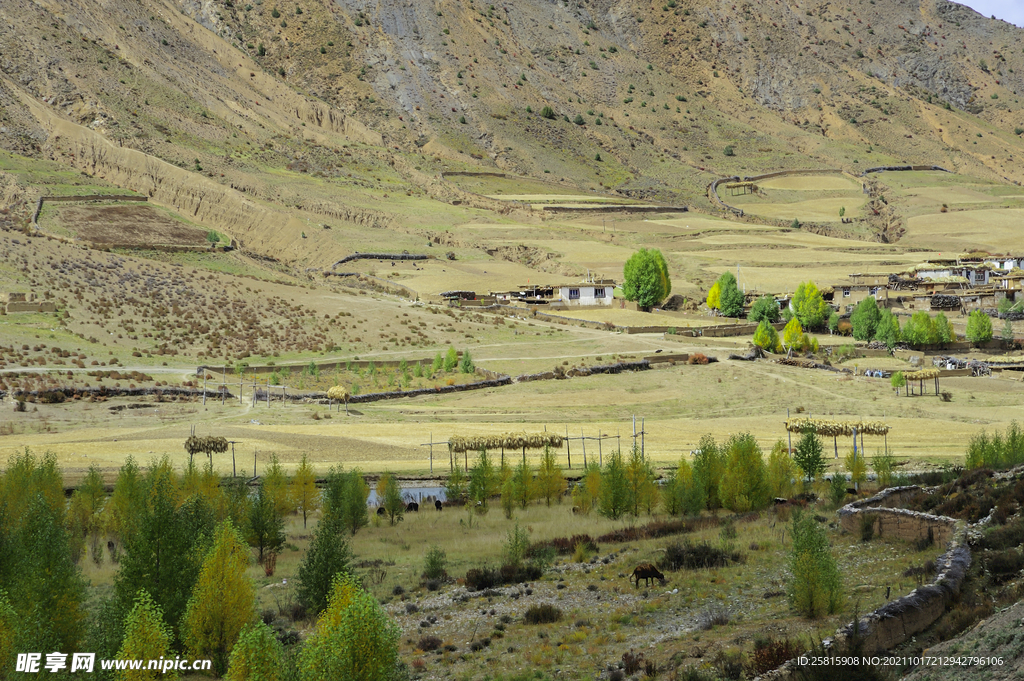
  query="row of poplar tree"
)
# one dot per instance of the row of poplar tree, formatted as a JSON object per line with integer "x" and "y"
{"x": 735, "y": 474}
{"x": 183, "y": 543}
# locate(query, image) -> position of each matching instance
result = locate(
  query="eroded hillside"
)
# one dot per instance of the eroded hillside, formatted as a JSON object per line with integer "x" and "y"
{"x": 262, "y": 118}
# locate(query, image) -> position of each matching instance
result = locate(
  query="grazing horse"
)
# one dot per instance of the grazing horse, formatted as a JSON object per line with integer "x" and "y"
{"x": 646, "y": 572}
{"x": 412, "y": 507}
{"x": 437, "y": 504}
{"x": 380, "y": 510}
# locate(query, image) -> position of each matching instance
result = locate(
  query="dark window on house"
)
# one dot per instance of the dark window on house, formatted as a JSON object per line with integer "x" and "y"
{"x": 574, "y": 294}
{"x": 599, "y": 292}
{"x": 846, "y": 293}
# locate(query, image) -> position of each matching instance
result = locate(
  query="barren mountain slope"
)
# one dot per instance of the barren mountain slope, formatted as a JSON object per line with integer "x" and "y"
{"x": 256, "y": 117}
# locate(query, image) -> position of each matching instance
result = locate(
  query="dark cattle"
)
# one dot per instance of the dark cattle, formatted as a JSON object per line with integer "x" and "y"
{"x": 437, "y": 504}
{"x": 646, "y": 572}
{"x": 576, "y": 510}
{"x": 381, "y": 511}
{"x": 412, "y": 507}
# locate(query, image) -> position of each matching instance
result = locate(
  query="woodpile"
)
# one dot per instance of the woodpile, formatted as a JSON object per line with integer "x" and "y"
{"x": 830, "y": 428}
{"x": 462, "y": 444}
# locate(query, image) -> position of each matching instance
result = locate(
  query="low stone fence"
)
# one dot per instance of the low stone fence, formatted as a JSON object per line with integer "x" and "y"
{"x": 321, "y": 397}
{"x": 899, "y": 620}
{"x": 616, "y": 368}
{"x": 380, "y": 256}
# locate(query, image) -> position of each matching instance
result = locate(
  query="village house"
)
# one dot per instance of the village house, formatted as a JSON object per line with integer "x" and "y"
{"x": 597, "y": 292}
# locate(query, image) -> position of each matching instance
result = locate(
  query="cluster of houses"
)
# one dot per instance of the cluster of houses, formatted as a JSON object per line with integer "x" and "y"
{"x": 949, "y": 285}
{"x": 592, "y": 291}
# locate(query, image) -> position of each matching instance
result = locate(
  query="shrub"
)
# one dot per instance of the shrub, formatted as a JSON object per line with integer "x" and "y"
{"x": 435, "y": 563}
{"x": 690, "y": 556}
{"x": 548, "y": 112}
{"x": 837, "y": 489}
{"x": 714, "y": 615}
{"x": 1004, "y": 565}
{"x": 631, "y": 662}
{"x": 429, "y": 643}
{"x": 729, "y": 151}
{"x": 479, "y": 579}
{"x": 542, "y": 614}
{"x": 770, "y": 654}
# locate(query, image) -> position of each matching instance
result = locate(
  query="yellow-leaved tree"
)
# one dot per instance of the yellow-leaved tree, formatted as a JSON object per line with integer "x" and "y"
{"x": 305, "y": 496}
{"x": 354, "y": 638}
{"x": 792, "y": 335}
{"x": 257, "y": 656}
{"x": 781, "y": 471}
{"x": 275, "y": 482}
{"x": 223, "y": 601}
{"x": 714, "y": 296}
{"x": 146, "y": 637}
{"x": 586, "y": 494}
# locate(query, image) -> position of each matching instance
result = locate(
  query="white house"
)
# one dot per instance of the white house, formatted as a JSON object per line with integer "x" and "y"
{"x": 597, "y": 292}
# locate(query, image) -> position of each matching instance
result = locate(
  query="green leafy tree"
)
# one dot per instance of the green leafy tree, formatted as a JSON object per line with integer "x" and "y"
{"x": 897, "y": 381}
{"x": 275, "y": 483}
{"x": 120, "y": 511}
{"x": 391, "y": 497}
{"x": 257, "y": 655}
{"x": 793, "y": 334}
{"x": 438, "y": 363}
{"x": 833, "y": 322}
{"x": 587, "y": 493}
{"x": 354, "y": 639}
{"x": 1007, "y": 332}
{"x": 810, "y": 455}
{"x": 680, "y": 495}
{"x": 85, "y": 511}
{"x": 223, "y": 601}
{"x": 865, "y": 319}
{"x": 943, "y": 330}
{"x": 345, "y": 496}
{"x": 521, "y": 486}
{"x": 303, "y": 491}
{"x": 164, "y": 550}
{"x": 730, "y": 298}
{"x": 146, "y": 637}
{"x": 979, "y": 328}
{"x": 641, "y": 483}
{"x": 888, "y": 330}
{"x": 764, "y": 309}
{"x": 328, "y": 555}
{"x": 766, "y": 337}
{"x": 781, "y": 471}
{"x": 8, "y": 632}
{"x": 815, "y": 587}
{"x": 614, "y": 494}
{"x": 457, "y": 484}
{"x": 46, "y": 587}
{"x": 266, "y": 526}
{"x": 451, "y": 359}
{"x": 745, "y": 482}
{"x": 810, "y": 307}
{"x": 857, "y": 466}
{"x": 466, "y": 363}
{"x": 708, "y": 469}
{"x": 550, "y": 478}
{"x": 884, "y": 466}
{"x": 646, "y": 279}
{"x": 483, "y": 482}
{"x": 920, "y": 330}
